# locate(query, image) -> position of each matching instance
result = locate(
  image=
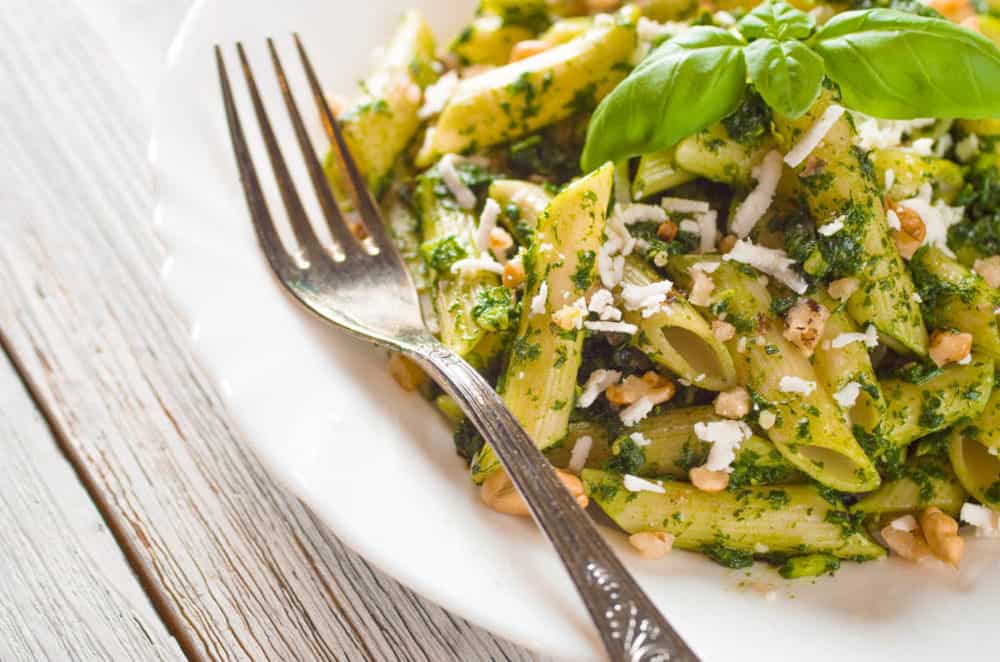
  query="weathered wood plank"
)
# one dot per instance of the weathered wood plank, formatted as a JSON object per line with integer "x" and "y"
{"x": 237, "y": 568}
{"x": 68, "y": 591}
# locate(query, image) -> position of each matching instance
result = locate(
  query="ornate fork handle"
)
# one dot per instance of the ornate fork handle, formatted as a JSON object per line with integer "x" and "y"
{"x": 632, "y": 628}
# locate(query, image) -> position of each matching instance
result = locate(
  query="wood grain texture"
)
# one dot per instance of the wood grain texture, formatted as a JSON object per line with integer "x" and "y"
{"x": 236, "y": 567}
{"x": 68, "y": 592}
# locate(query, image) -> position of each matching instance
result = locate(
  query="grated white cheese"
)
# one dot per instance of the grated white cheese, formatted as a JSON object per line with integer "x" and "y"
{"x": 754, "y": 206}
{"x": 581, "y": 451}
{"x": 636, "y": 411}
{"x": 966, "y": 360}
{"x": 869, "y": 338}
{"x": 539, "y": 300}
{"x": 602, "y": 302}
{"x": 690, "y": 226}
{"x": 944, "y": 143}
{"x": 647, "y": 298}
{"x": 890, "y": 178}
{"x": 791, "y": 384}
{"x": 708, "y": 231}
{"x": 904, "y": 523}
{"x": 636, "y": 484}
{"x": 684, "y": 205}
{"x": 610, "y": 267}
{"x": 487, "y": 223}
{"x": 892, "y": 218}
{"x": 814, "y": 136}
{"x": 597, "y": 383}
{"x": 771, "y": 261}
{"x": 449, "y": 175}
{"x": 639, "y": 439}
{"x": 707, "y": 267}
{"x": 937, "y": 217}
{"x": 833, "y": 227}
{"x": 725, "y": 437}
{"x": 637, "y": 213}
{"x": 923, "y": 146}
{"x": 885, "y": 134}
{"x": 848, "y": 395}
{"x": 986, "y": 521}
{"x": 612, "y": 327}
{"x": 436, "y": 96}
{"x": 767, "y": 419}
{"x": 471, "y": 265}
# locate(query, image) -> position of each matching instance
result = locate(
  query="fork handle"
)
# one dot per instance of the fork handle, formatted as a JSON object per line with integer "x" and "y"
{"x": 631, "y": 627}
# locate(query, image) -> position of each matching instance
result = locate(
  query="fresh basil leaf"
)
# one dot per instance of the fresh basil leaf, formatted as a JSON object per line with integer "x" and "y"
{"x": 786, "y": 73}
{"x": 685, "y": 85}
{"x": 895, "y": 65}
{"x": 776, "y": 20}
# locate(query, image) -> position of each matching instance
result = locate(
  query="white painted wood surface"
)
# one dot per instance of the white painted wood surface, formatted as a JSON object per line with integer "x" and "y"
{"x": 235, "y": 567}
{"x": 68, "y": 591}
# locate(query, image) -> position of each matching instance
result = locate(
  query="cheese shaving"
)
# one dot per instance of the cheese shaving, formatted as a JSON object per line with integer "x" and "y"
{"x": 791, "y": 384}
{"x": 771, "y": 261}
{"x": 539, "y": 300}
{"x": 814, "y": 136}
{"x": 449, "y": 175}
{"x": 597, "y": 383}
{"x": 636, "y": 411}
{"x": 755, "y": 205}
{"x": 487, "y": 223}
{"x": 581, "y": 451}
{"x": 636, "y": 484}
{"x": 848, "y": 395}
{"x": 869, "y": 338}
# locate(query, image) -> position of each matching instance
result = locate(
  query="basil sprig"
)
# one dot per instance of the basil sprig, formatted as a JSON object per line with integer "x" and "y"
{"x": 887, "y": 63}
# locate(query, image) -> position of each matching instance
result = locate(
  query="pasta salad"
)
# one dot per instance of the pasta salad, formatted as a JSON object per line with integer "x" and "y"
{"x": 733, "y": 266}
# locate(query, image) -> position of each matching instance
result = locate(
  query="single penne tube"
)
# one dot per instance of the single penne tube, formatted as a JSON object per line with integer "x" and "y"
{"x": 910, "y": 171}
{"x": 845, "y": 370}
{"x": 915, "y": 410}
{"x": 468, "y": 304}
{"x": 512, "y": 101}
{"x": 678, "y": 337}
{"x": 539, "y": 381}
{"x": 838, "y": 183}
{"x": 714, "y": 154}
{"x": 792, "y": 519}
{"x": 385, "y": 119}
{"x": 977, "y": 468}
{"x": 673, "y": 450}
{"x": 974, "y": 448}
{"x": 956, "y": 297}
{"x": 658, "y": 172}
{"x": 925, "y": 481}
{"x": 808, "y": 426}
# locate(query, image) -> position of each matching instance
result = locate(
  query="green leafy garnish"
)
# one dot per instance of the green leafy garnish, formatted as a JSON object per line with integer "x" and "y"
{"x": 886, "y": 62}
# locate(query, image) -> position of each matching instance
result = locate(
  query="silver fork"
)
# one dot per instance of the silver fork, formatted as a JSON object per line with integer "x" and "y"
{"x": 366, "y": 290}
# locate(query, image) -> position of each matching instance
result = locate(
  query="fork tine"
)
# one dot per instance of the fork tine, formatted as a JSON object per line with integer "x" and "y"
{"x": 369, "y": 214}
{"x": 308, "y": 242}
{"x": 267, "y": 236}
{"x": 334, "y": 217}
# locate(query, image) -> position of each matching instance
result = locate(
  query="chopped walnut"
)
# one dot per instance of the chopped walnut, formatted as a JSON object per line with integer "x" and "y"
{"x": 804, "y": 323}
{"x": 654, "y": 386}
{"x": 941, "y": 533}
{"x": 701, "y": 288}
{"x": 989, "y": 269}
{"x": 912, "y": 232}
{"x": 513, "y": 274}
{"x": 908, "y": 544}
{"x": 727, "y": 243}
{"x": 723, "y": 331}
{"x": 707, "y": 480}
{"x": 843, "y": 288}
{"x": 652, "y": 545}
{"x": 499, "y": 241}
{"x": 667, "y": 231}
{"x": 734, "y": 403}
{"x": 949, "y": 346}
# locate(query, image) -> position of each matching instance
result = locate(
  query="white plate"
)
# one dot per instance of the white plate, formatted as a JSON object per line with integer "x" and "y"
{"x": 378, "y": 465}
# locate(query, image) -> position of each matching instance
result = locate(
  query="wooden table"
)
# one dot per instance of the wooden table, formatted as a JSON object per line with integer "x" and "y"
{"x": 136, "y": 523}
